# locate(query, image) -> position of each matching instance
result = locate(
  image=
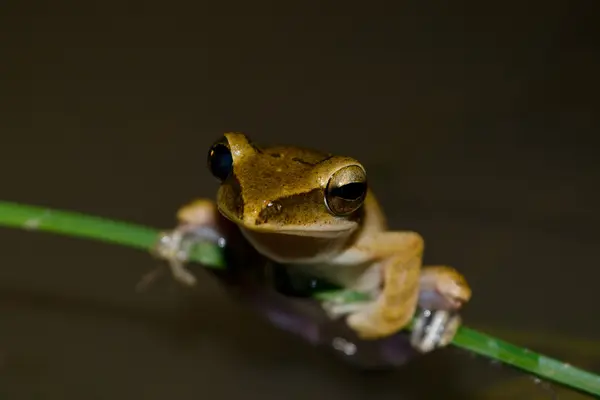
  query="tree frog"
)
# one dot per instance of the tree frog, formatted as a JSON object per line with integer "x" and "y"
{"x": 315, "y": 212}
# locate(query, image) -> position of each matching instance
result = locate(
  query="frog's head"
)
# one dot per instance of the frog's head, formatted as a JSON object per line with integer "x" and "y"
{"x": 285, "y": 189}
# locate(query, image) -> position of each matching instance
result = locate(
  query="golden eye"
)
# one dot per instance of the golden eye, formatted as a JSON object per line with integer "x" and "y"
{"x": 346, "y": 190}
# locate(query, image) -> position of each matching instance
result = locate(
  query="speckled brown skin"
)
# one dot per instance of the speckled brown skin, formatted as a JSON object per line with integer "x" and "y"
{"x": 278, "y": 197}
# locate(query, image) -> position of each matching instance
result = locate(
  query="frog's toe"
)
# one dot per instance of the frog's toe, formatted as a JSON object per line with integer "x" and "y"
{"x": 434, "y": 329}
{"x": 443, "y": 288}
{"x": 174, "y": 247}
{"x": 169, "y": 246}
{"x": 148, "y": 279}
{"x": 437, "y": 300}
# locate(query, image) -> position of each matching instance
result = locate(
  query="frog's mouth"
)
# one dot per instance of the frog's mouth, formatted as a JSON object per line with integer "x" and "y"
{"x": 295, "y": 245}
{"x": 322, "y": 231}
{"x": 325, "y": 232}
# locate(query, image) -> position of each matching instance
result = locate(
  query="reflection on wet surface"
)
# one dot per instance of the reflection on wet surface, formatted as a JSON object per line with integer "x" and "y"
{"x": 471, "y": 129}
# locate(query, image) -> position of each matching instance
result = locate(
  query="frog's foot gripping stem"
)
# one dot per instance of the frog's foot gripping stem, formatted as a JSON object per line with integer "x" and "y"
{"x": 443, "y": 291}
{"x": 197, "y": 223}
{"x": 431, "y": 329}
{"x": 170, "y": 247}
{"x": 434, "y": 329}
{"x": 175, "y": 247}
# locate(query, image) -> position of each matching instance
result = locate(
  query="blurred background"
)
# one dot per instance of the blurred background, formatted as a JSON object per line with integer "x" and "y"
{"x": 476, "y": 126}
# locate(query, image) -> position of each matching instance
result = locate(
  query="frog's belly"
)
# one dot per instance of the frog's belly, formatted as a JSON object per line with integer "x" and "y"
{"x": 286, "y": 249}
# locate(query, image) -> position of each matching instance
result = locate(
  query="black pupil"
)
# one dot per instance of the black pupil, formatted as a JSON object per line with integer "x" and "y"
{"x": 220, "y": 161}
{"x": 350, "y": 191}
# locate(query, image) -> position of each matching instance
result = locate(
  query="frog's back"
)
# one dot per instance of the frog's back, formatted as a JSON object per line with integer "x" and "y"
{"x": 302, "y": 155}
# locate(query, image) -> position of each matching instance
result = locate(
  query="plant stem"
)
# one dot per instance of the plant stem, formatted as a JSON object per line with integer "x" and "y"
{"x": 143, "y": 238}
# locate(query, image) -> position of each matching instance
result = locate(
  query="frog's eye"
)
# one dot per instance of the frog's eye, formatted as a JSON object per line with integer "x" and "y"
{"x": 220, "y": 160}
{"x": 346, "y": 190}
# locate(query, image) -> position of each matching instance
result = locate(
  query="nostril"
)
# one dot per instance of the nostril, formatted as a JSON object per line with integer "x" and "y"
{"x": 274, "y": 206}
{"x": 271, "y": 209}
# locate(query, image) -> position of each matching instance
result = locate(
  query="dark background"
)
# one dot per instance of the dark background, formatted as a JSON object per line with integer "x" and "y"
{"x": 476, "y": 126}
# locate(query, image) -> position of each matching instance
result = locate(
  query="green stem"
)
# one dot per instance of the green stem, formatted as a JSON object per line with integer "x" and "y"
{"x": 143, "y": 238}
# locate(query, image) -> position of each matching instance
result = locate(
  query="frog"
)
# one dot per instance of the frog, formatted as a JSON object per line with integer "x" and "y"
{"x": 314, "y": 211}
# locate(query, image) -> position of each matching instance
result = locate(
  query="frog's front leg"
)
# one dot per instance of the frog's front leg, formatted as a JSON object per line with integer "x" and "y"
{"x": 438, "y": 290}
{"x": 398, "y": 256}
